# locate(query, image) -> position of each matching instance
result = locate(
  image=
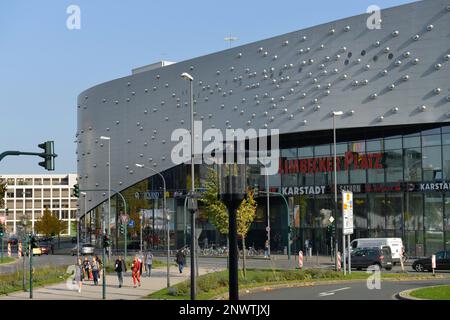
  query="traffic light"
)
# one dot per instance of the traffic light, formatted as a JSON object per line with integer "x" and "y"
{"x": 122, "y": 229}
{"x": 33, "y": 242}
{"x": 106, "y": 242}
{"x": 76, "y": 190}
{"x": 2, "y": 230}
{"x": 48, "y": 155}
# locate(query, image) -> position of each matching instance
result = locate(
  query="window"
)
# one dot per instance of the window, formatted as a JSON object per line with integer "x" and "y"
{"x": 374, "y": 145}
{"x": 19, "y": 193}
{"x": 322, "y": 150}
{"x": 431, "y": 163}
{"x": 412, "y": 164}
{"x": 394, "y": 165}
{"x": 28, "y": 193}
{"x": 411, "y": 142}
{"x": 392, "y": 143}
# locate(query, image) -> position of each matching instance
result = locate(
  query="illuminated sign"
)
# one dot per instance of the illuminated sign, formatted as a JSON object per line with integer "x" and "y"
{"x": 350, "y": 161}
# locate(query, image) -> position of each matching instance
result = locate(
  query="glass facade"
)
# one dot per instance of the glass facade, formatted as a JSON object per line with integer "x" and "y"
{"x": 400, "y": 181}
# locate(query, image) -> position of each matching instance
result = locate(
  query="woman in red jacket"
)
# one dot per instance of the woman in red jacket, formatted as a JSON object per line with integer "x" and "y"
{"x": 136, "y": 271}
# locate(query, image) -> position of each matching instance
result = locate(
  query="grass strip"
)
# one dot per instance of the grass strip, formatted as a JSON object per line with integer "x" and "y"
{"x": 12, "y": 282}
{"x": 433, "y": 293}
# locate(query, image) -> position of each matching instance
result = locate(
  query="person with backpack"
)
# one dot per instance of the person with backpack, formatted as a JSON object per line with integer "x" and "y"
{"x": 120, "y": 267}
{"x": 135, "y": 271}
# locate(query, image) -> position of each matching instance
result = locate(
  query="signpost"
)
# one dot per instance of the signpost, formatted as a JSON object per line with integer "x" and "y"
{"x": 433, "y": 263}
{"x": 347, "y": 224}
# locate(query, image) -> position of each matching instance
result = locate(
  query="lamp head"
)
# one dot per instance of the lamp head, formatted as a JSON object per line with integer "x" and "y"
{"x": 105, "y": 138}
{"x": 187, "y": 76}
{"x": 337, "y": 113}
{"x": 139, "y": 165}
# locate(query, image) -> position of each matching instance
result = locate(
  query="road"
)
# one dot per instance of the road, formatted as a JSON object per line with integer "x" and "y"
{"x": 342, "y": 291}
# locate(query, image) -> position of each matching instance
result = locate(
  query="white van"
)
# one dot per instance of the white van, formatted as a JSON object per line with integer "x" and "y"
{"x": 396, "y": 245}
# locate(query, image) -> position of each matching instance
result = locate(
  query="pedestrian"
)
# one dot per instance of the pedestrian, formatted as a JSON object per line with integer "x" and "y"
{"x": 120, "y": 268}
{"x": 100, "y": 268}
{"x": 266, "y": 249}
{"x": 135, "y": 271}
{"x": 95, "y": 270}
{"x": 149, "y": 262}
{"x": 141, "y": 262}
{"x": 180, "y": 260}
{"x": 79, "y": 274}
{"x": 86, "y": 268}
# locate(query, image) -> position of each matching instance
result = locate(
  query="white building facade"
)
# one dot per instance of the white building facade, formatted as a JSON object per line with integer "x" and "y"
{"x": 28, "y": 196}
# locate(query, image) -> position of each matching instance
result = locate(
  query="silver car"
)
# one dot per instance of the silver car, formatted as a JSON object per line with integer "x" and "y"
{"x": 86, "y": 249}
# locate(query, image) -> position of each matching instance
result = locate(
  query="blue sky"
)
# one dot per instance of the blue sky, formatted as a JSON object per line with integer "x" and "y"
{"x": 44, "y": 65}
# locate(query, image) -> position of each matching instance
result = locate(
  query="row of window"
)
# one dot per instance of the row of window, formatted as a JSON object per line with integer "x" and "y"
{"x": 38, "y": 193}
{"x": 37, "y": 181}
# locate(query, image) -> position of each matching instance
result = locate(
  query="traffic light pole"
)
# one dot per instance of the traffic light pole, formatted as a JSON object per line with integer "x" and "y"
{"x": 20, "y": 153}
{"x": 1, "y": 239}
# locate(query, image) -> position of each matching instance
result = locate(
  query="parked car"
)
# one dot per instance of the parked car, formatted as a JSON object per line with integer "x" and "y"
{"x": 365, "y": 257}
{"x": 442, "y": 262}
{"x": 45, "y": 248}
{"x": 13, "y": 241}
{"x": 396, "y": 245}
{"x": 36, "y": 252}
{"x": 86, "y": 249}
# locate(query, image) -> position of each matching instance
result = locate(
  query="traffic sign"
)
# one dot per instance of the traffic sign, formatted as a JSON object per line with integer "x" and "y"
{"x": 131, "y": 223}
{"x": 347, "y": 211}
{"x": 331, "y": 219}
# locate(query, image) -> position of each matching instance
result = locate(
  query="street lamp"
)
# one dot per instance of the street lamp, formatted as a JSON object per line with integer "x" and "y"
{"x": 232, "y": 187}
{"x": 166, "y": 214}
{"x": 85, "y": 215}
{"x": 334, "y": 115}
{"x": 193, "y": 205}
{"x": 109, "y": 187}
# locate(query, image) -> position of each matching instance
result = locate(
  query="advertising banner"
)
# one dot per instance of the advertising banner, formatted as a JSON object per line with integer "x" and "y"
{"x": 347, "y": 211}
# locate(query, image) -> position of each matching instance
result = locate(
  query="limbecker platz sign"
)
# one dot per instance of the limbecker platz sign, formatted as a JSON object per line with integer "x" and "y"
{"x": 350, "y": 161}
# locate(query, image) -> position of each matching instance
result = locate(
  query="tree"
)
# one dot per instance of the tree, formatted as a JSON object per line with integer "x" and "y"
{"x": 3, "y": 188}
{"x": 50, "y": 225}
{"x": 46, "y": 224}
{"x": 215, "y": 209}
{"x": 218, "y": 213}
{"x": 245, "y": 215}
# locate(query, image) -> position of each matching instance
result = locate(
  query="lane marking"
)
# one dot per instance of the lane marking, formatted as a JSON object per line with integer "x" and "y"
{"x": 332, "y": 292}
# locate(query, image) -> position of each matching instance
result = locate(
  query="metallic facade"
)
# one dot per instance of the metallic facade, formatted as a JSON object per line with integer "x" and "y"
{"x": 395, "y": 75}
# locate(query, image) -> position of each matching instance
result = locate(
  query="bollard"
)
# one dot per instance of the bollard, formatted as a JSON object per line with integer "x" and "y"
{"x": 339, "y": 261}
{"x": 19, "y": 250}
{"x": 300, "y": 259}
{"x": 9, "y": 249}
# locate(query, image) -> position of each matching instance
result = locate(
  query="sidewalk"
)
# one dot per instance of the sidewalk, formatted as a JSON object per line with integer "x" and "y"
{"x": 90, "y": 292}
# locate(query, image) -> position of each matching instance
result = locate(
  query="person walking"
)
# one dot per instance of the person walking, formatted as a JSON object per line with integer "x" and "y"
{"x": 181, "y": 260}
{"x": 95, "y": 270}
{"x": 100, "y": 269}
{"x": 266, "y": 249}
{"x": 148, "y": 263}
{"x": 86, "y": 268}
{"x": 135, "y": 271}
{"x": 79, "y": 274}
{"x": 120, "y": 268}
{"x": 141, "y": 262}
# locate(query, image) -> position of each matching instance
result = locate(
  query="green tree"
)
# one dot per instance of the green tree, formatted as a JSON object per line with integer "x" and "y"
{"x": 3, "y": 188}
{"x": 218, "y": 213}
{"x": 46, "y": 224}
{"x": 245, "y": 215}
{"x": 50, "y": 225}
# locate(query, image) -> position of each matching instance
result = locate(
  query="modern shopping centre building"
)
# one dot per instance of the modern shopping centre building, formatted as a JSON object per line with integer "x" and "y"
{"x": 389, "y": 75}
